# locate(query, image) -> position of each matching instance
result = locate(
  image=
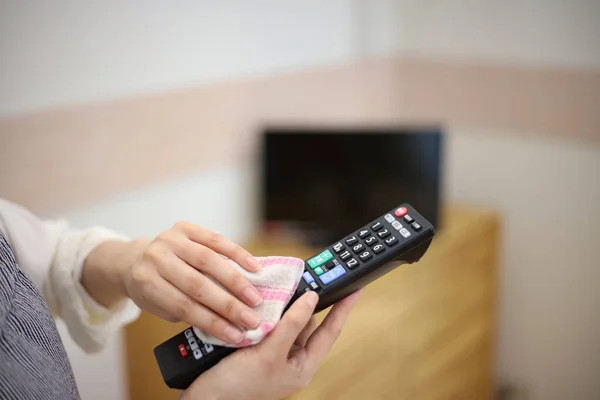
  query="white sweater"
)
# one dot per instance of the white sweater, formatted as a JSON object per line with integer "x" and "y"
{"x": 52, "y": 253}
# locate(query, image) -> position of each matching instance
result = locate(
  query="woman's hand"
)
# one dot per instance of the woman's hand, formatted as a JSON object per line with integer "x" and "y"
{"x": 170, "y": 278}
{"x": 282, "y": 363}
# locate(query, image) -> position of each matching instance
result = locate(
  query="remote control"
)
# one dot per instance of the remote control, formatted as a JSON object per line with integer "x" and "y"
{"x": 401, "y": 236}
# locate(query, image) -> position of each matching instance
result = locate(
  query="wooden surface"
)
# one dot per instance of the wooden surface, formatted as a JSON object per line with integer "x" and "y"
{"x": 424, "y": 331}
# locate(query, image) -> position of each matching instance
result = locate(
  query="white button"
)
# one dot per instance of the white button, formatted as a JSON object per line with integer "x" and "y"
{"x": 197, "y": 354}
{"x": 404, "y": 232}
{"x": 397, "y": 225}
{"x": 208, "y": 347}
{"x": 194, "y": 346}
{"x": 389, "y": 218}
{"x": 192, "y": 341}
{"x": 189, "y": 333}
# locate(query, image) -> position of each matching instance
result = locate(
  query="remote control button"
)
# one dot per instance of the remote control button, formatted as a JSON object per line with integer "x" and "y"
{"x": 378, "y": 249}
{"x": 319, "y": 271}
{"x": 397, "y": 225}
{"x": 314, "y": 286}
{"x": 377, "y": 226}
{"x": 330, "y": 264}
{"x": 182, "y": 350}
{"x": 352, "y": 263}
{"x": 194, "y": 346}
{"x": 384, "y": 233}
{"x": 332, "y": 275}
{"x": 389, "y": 218}
{"x": 401, "y": 212}
{"x": 338, "y": 247}
{"x": 408, "y": 219}
{"x": 371, "y": 241}
{"x": 208, "y": 347}
{"x": 363, "y": 233}
{"x": 197, "y": 354}
{"x": 320, "y": 259}
{"x": 404, "y": 232}
{"x": 351, "y": 240}
{"x": 189, "y": 334}
{"x": 358, "y": 248}
{"x": 345, "y": 255}
{"x": 416, "y": 226}
{"x": 365, "y": 255}
{"x": 391, "y": 241}
{"x": 308, "y": 278}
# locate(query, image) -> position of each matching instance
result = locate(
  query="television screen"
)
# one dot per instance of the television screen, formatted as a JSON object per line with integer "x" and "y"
{"x": 328, "y": 182}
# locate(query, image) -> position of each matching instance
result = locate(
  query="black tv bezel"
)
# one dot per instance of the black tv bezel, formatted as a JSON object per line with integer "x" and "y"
{"x": 435, "y": 129}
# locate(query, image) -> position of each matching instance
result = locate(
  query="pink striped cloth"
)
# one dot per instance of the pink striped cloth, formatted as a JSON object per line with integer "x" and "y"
{"x": 276, "y": 282}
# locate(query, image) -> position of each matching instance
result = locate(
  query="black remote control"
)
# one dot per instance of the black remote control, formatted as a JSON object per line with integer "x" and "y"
{"x": 401, "y": 236}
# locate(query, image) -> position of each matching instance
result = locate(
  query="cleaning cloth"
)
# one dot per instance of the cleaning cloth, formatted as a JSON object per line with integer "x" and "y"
{"x": 276, "y": 282}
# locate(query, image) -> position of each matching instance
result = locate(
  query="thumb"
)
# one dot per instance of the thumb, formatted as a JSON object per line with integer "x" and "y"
{"x": 292, "y": 323}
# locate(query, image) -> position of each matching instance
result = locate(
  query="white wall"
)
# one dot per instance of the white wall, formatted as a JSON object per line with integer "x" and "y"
{"x": 555, "y": 33}
{"x": 64, "y": 52}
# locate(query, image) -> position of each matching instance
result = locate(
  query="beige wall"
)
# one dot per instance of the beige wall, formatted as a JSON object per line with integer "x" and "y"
{"x": 222, "y": 119}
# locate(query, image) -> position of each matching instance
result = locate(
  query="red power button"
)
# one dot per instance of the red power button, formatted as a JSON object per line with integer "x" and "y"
{"x": 401, "y": 212}
{"x": 182, "y": 350}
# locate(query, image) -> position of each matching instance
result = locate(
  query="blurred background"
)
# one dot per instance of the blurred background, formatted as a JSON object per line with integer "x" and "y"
{"x": 138, "y": 114}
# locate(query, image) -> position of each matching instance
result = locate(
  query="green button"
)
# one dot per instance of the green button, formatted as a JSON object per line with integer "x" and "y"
{"x": 320, "y": 259}
{"x": 319, "y": 271}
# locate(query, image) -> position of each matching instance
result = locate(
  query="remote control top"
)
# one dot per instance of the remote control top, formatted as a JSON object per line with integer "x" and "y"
{"x": 398, "y": 237}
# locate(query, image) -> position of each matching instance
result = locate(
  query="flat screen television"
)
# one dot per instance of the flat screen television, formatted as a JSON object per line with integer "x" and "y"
{"x": 327, "y": 182}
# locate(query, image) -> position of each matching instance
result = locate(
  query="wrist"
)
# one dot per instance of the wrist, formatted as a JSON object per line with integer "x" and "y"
{"x": 106, "y": 268}
{"x": 132, "y": 254}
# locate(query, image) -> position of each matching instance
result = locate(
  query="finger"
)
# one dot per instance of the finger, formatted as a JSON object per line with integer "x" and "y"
{"x": 221, "y": 245}
{"x": 209, "y": 262}
{"x": 186, "y": 309}
{"x": 320, "y": 343}
{"x": 205, "y": 291}
{"x": 291, "y": 324}
{"x": 306, "y": 332}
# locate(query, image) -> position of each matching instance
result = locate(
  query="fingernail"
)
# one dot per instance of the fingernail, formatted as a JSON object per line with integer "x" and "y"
{"x": 234, "y": 335}
{"x": 253, "y": 263}
{"x": 312, "y": 299}
{"x": 250, "y": 319}
{"x": 252, "y": 295}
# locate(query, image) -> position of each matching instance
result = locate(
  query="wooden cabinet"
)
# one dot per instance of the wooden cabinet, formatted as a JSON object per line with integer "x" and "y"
{"x": 424, "y": 331}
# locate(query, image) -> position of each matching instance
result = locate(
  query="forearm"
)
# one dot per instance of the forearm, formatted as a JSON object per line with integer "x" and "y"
{"x": 105, "y": 267}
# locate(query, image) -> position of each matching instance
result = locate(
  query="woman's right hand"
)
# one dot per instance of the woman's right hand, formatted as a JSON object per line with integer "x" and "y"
{"x": 173, "y": 279}
{"x": 282, "y": 363}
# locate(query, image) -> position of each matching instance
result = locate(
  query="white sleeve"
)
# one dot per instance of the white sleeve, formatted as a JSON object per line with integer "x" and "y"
{"x": 52, "y": 254}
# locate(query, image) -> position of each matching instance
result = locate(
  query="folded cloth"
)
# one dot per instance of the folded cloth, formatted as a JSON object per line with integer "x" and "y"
{"x": 276, "y": 282}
